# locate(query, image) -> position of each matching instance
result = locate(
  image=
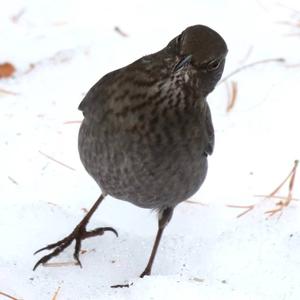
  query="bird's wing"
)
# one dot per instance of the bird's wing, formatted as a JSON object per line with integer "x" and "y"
{"x": 210, "y": 132}
{"x": 95, "y": 104}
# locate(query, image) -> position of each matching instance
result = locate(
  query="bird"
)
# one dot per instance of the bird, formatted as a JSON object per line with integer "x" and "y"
{"x": 147, "y": 132}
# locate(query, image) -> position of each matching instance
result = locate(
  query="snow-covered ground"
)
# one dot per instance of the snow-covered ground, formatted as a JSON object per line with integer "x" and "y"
{"x": 60, "y": 48}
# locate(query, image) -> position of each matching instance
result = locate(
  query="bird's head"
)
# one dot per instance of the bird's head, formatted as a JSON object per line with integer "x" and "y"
{"x": 199, "y": 52}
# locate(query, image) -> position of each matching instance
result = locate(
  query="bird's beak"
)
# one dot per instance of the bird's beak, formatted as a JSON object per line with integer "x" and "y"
{"x": 183, "y": 62}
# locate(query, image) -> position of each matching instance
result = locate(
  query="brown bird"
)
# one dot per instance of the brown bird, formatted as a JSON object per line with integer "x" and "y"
{"x": 147, "y": 131}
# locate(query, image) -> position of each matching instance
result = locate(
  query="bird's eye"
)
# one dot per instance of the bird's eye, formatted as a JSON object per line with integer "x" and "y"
{"x": 213, "y": 65}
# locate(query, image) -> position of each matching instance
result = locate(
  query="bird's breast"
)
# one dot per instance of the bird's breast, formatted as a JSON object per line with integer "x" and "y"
{"x": 154, "y": 161}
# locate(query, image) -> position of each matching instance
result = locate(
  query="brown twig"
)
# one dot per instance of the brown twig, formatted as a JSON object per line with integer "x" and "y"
{"x": 52, "y": 203}
{"x": 289, "y": 23}
{"x": 284, "y": 201}
{"x": 3, "y": 91}
{"x": 12, "y": 180}
{"x": 292, "y": 173}
{"x": 8, "y": 296}
{"x": 60, "y": 264}
{"x": 196, "y": 202}
{"x": 73, "y": 122}
{"x": 275, "y": 197}
{"x": 232, "y": 95}
{"x": 247, "y": 208}
{"x": 120, "y": 286}
{"x": 293, "y": 66}
{"x": 287, "y": 200}
{"x": 31, "y": 67}
{"x": 57, "y": 161}
{"x": 55, "y": 294}
{"x": 15, "y": 18}
{"x": 120, "y": 32}
{"x": 294, "y": 22}
{"x": 84, "y": 251}
{"x": 67, "y": 263}
{"x": 197, "y": 279}
{"x": 59, "y": 57}
{"x": 259, "y": 62}
{"x": 295, "y": 25}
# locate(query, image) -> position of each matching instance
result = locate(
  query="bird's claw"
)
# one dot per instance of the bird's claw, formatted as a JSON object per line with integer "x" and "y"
{"x": 79, "y": 234}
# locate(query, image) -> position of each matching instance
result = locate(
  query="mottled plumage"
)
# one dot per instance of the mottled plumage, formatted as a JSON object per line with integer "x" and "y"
{"x": 147, "y": 128}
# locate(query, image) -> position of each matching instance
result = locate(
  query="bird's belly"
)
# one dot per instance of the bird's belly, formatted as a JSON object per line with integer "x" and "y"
{"x": 146, "y": 175}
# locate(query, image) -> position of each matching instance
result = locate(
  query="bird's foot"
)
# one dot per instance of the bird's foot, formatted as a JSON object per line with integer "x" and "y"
{"x": 79, "y": 233}
{"x": 146, "y": 272}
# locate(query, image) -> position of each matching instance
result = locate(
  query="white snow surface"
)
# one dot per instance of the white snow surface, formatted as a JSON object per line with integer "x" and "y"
{"x": 206, "y": 251}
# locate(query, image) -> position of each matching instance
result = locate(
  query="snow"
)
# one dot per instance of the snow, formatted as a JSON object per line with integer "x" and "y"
{"x": 206, "y": 252}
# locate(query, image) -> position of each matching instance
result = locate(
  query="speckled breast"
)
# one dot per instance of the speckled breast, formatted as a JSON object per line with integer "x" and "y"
{"x": 151, "y": 169}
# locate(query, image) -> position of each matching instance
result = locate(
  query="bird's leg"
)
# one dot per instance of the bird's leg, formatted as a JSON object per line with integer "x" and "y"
{"x": 163, "y": 220}
{"x": 78, "y": 234}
